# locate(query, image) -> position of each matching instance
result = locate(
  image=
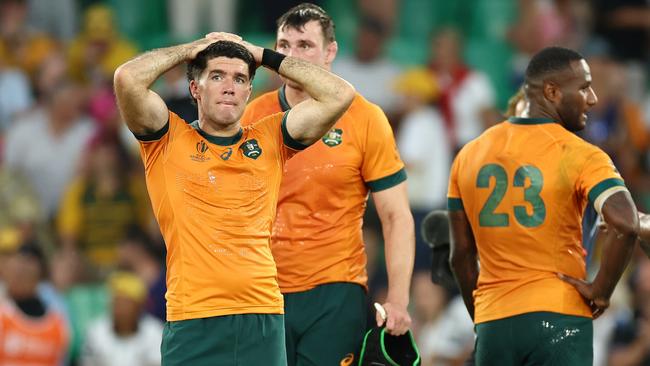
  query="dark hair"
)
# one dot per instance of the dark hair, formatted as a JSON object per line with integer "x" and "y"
{"x": 304, "y": 13}
{"x": 551, "y": 59}
{"x": 31, "y": 249}
{"x": 220, "y": 49}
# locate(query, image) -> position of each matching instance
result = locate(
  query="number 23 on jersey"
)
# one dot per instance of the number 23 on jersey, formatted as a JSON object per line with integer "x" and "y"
{"x": 488, "y": 217}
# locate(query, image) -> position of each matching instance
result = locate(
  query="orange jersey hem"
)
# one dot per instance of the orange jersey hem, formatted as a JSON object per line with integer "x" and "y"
{"x": 483, "y": 319}
{"x": 171, "y": 316}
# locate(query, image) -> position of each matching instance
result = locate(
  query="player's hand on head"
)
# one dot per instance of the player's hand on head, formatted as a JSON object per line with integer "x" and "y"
{"x": 398, "y": 320}
{"x": 597, "y": 303}
{"x": 223, "y": 36}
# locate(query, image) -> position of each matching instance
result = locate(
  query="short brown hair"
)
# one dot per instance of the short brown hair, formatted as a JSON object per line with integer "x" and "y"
{"x": 304, "y": 13}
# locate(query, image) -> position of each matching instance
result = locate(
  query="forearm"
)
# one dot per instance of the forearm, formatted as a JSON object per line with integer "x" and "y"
{"x": 628, "y": 356}
{"x": 644, "y": 227}
{"x": 616, "y": 253}
{"x": 330, "y": 98}
{"x": 465, "y": 269}
{"x": 399, "y": 238}
{"x": 320, "y": 84}
{"x": 142, "y": 71}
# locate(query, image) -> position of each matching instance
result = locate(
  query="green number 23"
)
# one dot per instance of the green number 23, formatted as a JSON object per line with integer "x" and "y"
{"x": 487, "y": 216}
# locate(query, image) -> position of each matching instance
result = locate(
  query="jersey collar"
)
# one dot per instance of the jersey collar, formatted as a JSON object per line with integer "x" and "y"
{"x": 530, "y": 121}
{"x": 282, "y": 96}
{"x": 218, "y": 140}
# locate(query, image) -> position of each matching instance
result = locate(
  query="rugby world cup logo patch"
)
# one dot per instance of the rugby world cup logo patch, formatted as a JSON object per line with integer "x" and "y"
{"x": 251, "y": 149}
{"x": 201, "y": 149}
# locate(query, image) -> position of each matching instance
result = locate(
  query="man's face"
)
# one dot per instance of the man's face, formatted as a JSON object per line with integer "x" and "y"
{"x": 222, "y": 90}
{"x": 577, "y": 96}
{"x": 306, "y": 43}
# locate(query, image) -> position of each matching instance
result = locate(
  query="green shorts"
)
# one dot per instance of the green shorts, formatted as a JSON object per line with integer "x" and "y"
{"x": 230, "y": 340}
{"x": 325, "y": 325}
{"x": 540, "y": 338}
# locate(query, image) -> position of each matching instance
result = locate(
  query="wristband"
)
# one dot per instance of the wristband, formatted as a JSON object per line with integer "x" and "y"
{"x": 272, "y": 59}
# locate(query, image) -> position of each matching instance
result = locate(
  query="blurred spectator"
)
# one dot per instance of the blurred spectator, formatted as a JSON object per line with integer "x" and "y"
{"x": 386, "y": 11}
{"x": 138, "y": 253}
{"x": 175, "y": 92}
{"x": 517, "y": 105}
{"x": 425, "y": 150}
{"x": 20, "y": 45}
{"x": 47, "y": 144}
{"x": 631, "y": 341}
{"x": 15, "y": 95}
{"x": 625, "y": 25}
{"x": 126, "y": 337}
{"x": 428, "y": 302}
{"x": 99, "y": 49}
{"x": 57, "y": 18}
{"x": 191, "y": 18}
{"x": 466, "y": 95}
{"x": 370, "y": 70}
{"x": 102, "y": 203}
{"x": 33, "y": 333}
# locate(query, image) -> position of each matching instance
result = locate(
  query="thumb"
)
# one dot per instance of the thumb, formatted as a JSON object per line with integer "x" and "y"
{"x": 380, "y": 320}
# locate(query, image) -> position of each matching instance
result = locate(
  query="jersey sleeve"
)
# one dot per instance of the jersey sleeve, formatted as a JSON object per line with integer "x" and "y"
{"x": 454, "y": 200}
{"x": 382, "y": 167}
{"x": 599, "y": 179}
{"x": 275, "y": 126}
{"x": 152, "y": 146}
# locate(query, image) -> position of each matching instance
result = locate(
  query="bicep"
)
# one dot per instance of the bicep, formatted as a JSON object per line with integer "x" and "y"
{"x": 620, "y": 212}
{"x": 144, "y": 111}
{"x": 392, "y": 202}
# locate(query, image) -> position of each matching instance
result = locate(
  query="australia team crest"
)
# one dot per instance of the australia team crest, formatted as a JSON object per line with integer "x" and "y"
{"x": 251, "y": 149}
{"x": 334, "y": 137}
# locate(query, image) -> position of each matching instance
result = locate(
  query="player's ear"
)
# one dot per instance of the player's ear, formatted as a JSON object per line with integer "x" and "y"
{"x": 194, "y": 89}
{"x": 551, "y": 91}
{"x": 330, "y": 53}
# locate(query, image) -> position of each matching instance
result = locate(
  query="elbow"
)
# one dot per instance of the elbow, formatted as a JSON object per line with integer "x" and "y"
{"x": 348, "y": 94}
{"x": 628, "y": 228}
{"x": 121, "y": 77}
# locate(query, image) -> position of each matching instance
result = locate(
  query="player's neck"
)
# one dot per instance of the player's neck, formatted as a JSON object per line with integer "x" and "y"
{"x": 295, "y": 96}
{"x": 220, "y": 130}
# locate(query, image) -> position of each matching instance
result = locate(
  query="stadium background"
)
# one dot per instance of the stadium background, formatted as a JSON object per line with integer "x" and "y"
{"x": 71, "y": 179}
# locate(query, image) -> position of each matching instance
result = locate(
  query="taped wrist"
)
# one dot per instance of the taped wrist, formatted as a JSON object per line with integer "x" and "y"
{"x": 272, "y": 59}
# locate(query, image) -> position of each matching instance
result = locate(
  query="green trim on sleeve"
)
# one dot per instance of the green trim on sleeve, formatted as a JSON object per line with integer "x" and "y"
{"x": 455, "y": 204}
{"x": 154, "y": 135}
{"x": 388, "y": 181}
{"x": 603, "y": 186}
{"x": 288, "y": 140}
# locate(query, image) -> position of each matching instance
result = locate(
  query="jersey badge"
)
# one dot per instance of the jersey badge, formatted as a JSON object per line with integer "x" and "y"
{"x": 334, "y": 137}
{"x": 251, "y": 149}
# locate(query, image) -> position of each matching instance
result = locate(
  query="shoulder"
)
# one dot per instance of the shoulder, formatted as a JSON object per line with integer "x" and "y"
{"x": 363, "y": 109}
{"x": 258, "y": 108}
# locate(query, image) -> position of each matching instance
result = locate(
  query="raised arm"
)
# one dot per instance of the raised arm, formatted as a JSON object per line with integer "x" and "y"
{"x": 143, "y": 110}
{"x": 463, "y": 257}
{"x": 620, "y": 215}
{"x": 330, "y": 95}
